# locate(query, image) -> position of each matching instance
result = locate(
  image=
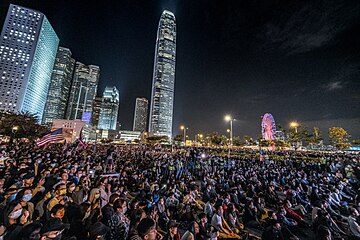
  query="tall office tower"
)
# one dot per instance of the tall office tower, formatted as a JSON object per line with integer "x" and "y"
{"x": 28, "y": 46}
{"x": 140, "y": 115}
{"x": 83, "y": 92}
{"x": 60, "y": 84}
{"x": 96, "y": 111}
{"x": 162, "y": 96}
{"x": 109, "y": 109}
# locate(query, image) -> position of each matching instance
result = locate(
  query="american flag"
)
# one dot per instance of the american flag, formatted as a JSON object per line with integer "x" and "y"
{"x": 54, "y": 136}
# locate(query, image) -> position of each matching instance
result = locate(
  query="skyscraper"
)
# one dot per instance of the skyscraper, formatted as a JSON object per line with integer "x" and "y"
{"x": 96, "y": 111}
{"x": 109, "y": 109}
{"x": 28, "y": 46}
{"x": 60, "y": 84}
{"x": 162, "y": 96}
{"x": 140, "y": 115}
{"x": 83, "y": 91}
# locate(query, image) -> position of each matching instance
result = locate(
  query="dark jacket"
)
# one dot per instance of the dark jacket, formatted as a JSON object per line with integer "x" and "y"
{"x": 271, "y": 233}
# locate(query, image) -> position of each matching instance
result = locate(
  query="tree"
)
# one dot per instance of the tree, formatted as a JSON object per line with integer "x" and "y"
{"x": 21, "y": 125}
{"x": 357, "y": 141}
{"x": 248, "y": 140}
{"x": 156, "y": 139}
{"x": 280, "y": 144}
{"x": 265, "y": 143}
{"x": 179, "y": 138}
{"x": 315, "y": 137}
{"x": 339, "y": 137}
{"x": 305, "y": 135}
{"x": 237, "y": 141}
{"x": 294, "y": 136}
{"x": 216, "y": 139}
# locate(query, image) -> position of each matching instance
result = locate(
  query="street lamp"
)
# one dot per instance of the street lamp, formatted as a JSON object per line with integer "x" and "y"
{"x": 184, "y": 130}
{"x": 228, "y": 131}
{"x": 14, "y": 130}
{"x": 228, "y": 118}
{"x": 96, "y": 134}
{"x": 294, "y": 125}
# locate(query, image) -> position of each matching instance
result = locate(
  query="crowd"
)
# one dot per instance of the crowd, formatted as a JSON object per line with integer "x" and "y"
{"x": 156, "y": 192}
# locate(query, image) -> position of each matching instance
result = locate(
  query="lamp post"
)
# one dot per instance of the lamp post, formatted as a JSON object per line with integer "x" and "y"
{"x": 96, "y": 134}
{"x": 184, "y": 133}
{"x": 295, "y": 125}
{"x": 14, "y": 130}
{"x": 228, "y": 131}
{"x": 228, "y": 118}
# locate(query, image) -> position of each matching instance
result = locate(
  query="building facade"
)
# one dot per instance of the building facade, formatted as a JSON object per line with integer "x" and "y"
{"x": 83, "y": 92}
{"x": 130, "y": 136}
{"x": 73, "y": 128}
{"x": 28, "y": 47}
{"x": 162, "y": 95}
{"x": 109, "y": 109}
{"x": 60, "y": 85}
{"x": 96, "y": 111}
{"x": 140, "y": 115}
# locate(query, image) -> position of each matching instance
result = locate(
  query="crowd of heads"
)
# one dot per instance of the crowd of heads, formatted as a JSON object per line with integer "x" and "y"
{"x": 165, "y": 192}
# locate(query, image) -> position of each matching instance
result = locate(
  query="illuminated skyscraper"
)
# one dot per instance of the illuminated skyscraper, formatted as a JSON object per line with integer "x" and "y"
{"x": 162, "y": 95}
{"x": 96, "y": 111}
{"x": 60, "y": 84}
{"x": 28, "y": 47}
{"x": 83, "y": 92}
{"x": 109, "y": 109}
{"x": 140, "y": 115}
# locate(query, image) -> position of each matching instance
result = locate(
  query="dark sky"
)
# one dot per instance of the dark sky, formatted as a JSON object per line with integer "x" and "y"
{"x": 299, "y": 60}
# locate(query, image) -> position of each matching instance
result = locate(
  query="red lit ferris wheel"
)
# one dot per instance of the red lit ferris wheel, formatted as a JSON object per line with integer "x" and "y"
{"x": 268, "y": 127}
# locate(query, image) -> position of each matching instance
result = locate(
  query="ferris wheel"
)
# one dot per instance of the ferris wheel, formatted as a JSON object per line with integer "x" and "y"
{"x": 268, "y": 127}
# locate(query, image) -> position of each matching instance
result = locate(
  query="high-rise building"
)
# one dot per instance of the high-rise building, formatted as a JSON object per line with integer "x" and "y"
{"x": 60, "y": 84}
{"x": 83, "y": 92}
{"x": 140, "y": 115}
{"x": 162, "y": 96}
{"x": 28, "y": 46}
{"x": 109, "y": 109}
{"x": 96, "y": 111}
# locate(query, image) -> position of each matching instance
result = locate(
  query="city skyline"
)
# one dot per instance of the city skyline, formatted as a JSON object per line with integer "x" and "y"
{"x": 242, "y": 59}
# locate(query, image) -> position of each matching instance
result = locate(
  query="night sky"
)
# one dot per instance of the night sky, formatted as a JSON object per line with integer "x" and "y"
{"x": 299, "y": 60}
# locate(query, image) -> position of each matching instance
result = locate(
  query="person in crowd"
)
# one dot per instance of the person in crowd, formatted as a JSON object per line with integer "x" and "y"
{"x": 119, "y": 224}
{"x": 108, "y": 209}
{"x": 172, "y": 231}
{"x": 136, "y": 217}
{"x": 354, "y": 226}
{"x": 53, "y": 229}
{"x": 147, "y": 230}
{"x": 98, "y": 231}
{"x": 59, "y": 196}
{"x": 192, "y": 232}
{"x": 221, "y": 226}
{"x": 30, "y": 232}
{"x": 250, "y": 217}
